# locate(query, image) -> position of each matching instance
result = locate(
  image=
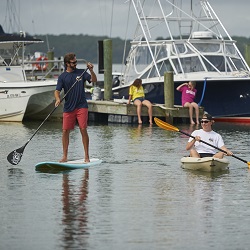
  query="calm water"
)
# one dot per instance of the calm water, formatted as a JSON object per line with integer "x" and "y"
{"x": 138, "y": 198}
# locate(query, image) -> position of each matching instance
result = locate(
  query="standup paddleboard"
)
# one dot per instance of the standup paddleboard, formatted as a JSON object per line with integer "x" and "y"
{"x": 76, "y": 164}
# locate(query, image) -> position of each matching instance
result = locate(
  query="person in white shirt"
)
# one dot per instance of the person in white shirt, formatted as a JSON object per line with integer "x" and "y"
{"x": 198, "y": 149}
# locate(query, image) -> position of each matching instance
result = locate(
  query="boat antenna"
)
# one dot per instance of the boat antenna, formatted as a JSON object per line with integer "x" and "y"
{"x": 47, "y": 40}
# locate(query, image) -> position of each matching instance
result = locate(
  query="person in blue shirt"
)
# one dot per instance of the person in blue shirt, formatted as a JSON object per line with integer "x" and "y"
{"x": 75, "y": 106}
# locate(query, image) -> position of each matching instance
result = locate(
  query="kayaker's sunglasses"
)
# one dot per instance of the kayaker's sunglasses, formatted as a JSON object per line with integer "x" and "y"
{"x": 205, "y": 121}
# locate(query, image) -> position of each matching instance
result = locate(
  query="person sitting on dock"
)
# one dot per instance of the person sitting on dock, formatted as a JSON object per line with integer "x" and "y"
{"x": 187, "y": 99}
{"x": 206, "y": 134}
{"x": 136, "y": 94}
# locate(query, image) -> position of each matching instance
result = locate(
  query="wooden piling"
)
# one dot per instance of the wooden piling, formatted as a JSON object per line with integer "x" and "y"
{"x": 169, "y": 94}
{"x": 50, "y": 55}
{"x": 247, "y": 54}
{"x": 107, "y": 54}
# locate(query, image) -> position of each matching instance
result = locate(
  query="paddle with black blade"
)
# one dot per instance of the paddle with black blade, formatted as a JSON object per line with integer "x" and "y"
{"x": 170, "y": 127}
{"x": 15, "y": 156}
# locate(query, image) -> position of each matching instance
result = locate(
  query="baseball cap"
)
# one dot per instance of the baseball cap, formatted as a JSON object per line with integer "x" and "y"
{"x": 208, "y": 117}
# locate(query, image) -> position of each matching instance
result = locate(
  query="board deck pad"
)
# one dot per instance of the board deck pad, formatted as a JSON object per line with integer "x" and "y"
{"x": 75, "y": 164}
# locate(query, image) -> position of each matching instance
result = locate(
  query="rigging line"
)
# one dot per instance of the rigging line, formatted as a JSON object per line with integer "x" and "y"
{"x": 111, "y": 24}
{"x": 46, "y": 35}
{"x": 33, "y": 28}
{"x": 12, "y": 17}
{"x": 102, "y": 11}
{"x": 126, "y": 33}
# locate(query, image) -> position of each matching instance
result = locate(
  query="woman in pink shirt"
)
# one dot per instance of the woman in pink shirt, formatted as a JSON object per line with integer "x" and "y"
{"x": 187, "y": 99}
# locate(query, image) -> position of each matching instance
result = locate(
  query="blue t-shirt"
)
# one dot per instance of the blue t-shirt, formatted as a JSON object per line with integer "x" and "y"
{"x": 76, "y": 97}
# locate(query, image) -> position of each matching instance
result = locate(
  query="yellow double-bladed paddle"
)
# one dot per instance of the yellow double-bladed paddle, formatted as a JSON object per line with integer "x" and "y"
{"x": 170, "y": 127}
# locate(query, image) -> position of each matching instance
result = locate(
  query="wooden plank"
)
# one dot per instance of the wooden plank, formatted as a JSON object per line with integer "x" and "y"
{"x": 110, "y": 107}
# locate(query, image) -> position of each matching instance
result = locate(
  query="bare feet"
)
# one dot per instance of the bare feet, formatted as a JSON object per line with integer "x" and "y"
{"x": 64, "y": 159}
{"x": 192, "y": 122}
{"x": 197, "y": 122}
{"x": 86, "y": 160}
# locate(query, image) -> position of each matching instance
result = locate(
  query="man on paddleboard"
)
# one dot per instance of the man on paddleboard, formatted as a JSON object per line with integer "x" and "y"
{"x": 75, "y": 106}
{"x": 199, "y": 149}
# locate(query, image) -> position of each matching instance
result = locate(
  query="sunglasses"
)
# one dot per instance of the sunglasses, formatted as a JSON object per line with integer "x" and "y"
{"x": 204, "y": 121}
{"x": 75, "y": 62}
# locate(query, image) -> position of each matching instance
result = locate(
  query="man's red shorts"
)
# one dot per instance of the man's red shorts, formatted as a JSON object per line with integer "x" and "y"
{"x": 79, "y": 115}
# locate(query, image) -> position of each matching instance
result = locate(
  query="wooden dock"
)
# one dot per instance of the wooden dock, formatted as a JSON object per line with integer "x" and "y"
{"x": 114, "y": 112}
{"x": 110, "y": 111}
{"x": 118, "y": 111}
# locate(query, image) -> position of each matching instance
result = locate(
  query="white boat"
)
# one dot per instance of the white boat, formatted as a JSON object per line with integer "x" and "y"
{"x": 23, "y": 93}
{"x": 187, "y": 38}
{"x": 206, "y": 164}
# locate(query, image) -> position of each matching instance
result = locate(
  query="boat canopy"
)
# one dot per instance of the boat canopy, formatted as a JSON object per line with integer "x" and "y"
{"x": 11, "y": 44}
{"x": 185, "y": 37}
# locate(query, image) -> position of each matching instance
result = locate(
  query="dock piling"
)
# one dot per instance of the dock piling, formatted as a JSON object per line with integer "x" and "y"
{"x": 107, "y": 56}
{"x": 169, "y": 95}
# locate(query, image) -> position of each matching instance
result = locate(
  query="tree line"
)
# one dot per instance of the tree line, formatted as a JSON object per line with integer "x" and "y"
{"x": 86, "y": 46}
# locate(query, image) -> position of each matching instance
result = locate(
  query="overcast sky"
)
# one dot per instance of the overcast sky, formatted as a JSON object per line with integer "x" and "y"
{"x": 93, "y": 17}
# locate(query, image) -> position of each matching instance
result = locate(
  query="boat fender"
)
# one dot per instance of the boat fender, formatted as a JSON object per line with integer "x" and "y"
{"x": 116, "y": 82}
{"x": 96, "y": 95}
{"x": 40, "y": 64}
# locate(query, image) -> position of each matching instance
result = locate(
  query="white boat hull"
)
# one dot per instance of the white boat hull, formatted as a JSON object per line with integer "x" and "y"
{"x": 24, "y": 93}
{"x": 10, "y": 111}
{"x": 207, "y": 164}
{"x": 24, "y": 99}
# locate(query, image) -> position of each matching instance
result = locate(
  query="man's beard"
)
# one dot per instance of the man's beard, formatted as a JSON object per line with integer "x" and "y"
{"x": 73, "y": 67}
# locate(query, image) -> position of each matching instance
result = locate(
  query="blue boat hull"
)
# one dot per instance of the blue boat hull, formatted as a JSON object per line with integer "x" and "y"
{"x": 220, "y": 98}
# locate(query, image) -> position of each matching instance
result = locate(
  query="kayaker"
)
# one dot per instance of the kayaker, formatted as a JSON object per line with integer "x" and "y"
{"x": 199, "y": 149}
{"x": 189, "y": 91}
{"x": 136, "y": 93}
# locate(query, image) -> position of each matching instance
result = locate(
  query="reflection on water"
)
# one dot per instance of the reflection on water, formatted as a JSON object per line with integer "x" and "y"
{"x": 138, "y": 198}
{"x": 207, "y": 175}
{"x": 75, "y": 211}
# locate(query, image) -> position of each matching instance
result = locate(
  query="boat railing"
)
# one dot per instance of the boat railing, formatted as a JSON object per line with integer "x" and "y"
{"x": 183, "y": 57}
{"x": 46, "y": 69}
{"x": 194, "y": 41}
{"x": 52, "y": 70}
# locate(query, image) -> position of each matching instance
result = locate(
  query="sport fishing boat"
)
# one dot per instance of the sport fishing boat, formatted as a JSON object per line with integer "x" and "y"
{"x": 206, "y": 164}
{"x": 187, "y": 38}
{"x": 23, "y": 92}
